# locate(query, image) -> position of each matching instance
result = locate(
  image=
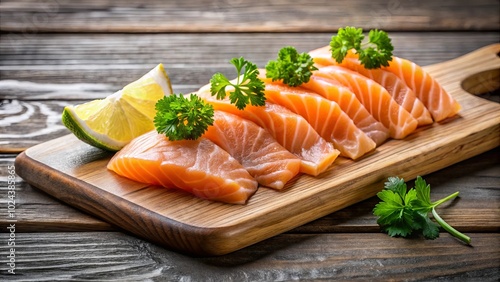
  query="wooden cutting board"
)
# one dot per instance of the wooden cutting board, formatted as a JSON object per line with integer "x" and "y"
{"x": 76, "y": 173}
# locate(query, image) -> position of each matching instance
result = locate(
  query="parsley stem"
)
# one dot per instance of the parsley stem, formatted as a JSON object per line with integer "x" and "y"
{"x": 450, "y": 229}
{"x": 437, "y": 203}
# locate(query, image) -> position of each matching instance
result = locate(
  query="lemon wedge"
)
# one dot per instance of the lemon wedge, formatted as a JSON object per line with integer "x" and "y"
{"x": 112, "y": 122}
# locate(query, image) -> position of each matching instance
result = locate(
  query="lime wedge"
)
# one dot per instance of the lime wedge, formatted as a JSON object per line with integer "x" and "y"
{"x": 112, "y": 122}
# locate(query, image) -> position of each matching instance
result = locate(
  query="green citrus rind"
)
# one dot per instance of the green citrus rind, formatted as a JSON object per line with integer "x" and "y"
{"x": 75, "y": 127}
{"x": 112, "y": 122}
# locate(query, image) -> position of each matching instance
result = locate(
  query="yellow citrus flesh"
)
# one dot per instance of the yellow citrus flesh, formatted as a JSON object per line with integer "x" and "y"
{"x": 112, "y": 122}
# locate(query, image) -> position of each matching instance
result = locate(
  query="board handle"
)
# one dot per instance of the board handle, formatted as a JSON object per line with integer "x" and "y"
{"x": 476, "y": 72}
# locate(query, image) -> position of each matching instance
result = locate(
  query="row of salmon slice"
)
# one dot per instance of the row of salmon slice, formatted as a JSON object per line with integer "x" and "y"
{"x": 344, "y": 109}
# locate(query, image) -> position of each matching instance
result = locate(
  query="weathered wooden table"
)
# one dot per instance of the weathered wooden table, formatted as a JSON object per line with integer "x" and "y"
{"x": 55, "y": 53}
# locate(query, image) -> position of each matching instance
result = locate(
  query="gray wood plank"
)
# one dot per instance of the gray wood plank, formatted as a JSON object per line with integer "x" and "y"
{"x": 111, "y": 256}
{"x": 27, "y": 123}
{"x": 90, "y": 66}
{"x": 36, "y": 211}
{"x": 32, "y": 17}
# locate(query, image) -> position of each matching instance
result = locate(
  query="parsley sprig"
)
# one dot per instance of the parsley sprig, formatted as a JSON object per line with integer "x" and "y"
{"x": 293, "y": 68}
{"x": 247, "y": 89}
{"x": 373, "y": 54}
{"x": 403, "y": 211}
{"x": 182, "y": 118}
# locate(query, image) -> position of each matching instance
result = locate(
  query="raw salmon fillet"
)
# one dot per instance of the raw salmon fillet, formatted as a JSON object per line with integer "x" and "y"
{"x": 350, "y": 104}
{"x": 264, "y": 158}
{"x": 197, "y": 166}
{"x": 376, "y": 100}
{"x": 439, "y": 102}
{"x": 400, "y": 92}
{"x": 436, "y": 100}
{"x": 325, "y": 116}
{"x": 289, "y": 129}
{"x": 398, "y": 89}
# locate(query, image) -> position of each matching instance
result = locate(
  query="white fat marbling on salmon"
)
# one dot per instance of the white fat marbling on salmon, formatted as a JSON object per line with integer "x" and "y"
{"x": 197, "y": 166}
{"x": 264, "y": 158}
{"x": 439, "y": 102}
{"x": 325, "y": 116}
{"x": 289, "y": 129}
{"x": 350, "y": 104}
{"x": 376, "y": 100}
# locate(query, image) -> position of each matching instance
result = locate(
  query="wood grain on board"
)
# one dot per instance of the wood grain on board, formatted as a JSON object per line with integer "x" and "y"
{"x": 476, "y": 209}
{"x": 75, "y": 173}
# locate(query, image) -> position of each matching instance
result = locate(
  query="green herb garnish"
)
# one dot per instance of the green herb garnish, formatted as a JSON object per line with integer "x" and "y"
{"x": 293, "y": 68}
{"x": 401, "y": 212}
{"x": 373, "y": 54}
{"x": 247, "y": 89}
{"x": 182, "y": 118}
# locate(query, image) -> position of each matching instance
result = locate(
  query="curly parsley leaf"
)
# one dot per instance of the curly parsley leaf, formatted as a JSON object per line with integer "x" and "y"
{"x": 346, "y": 39}
{"x": 378, "y": 51}
{"x": 402, "y": 212}
{"x": 291, "y": 67}
{"x": 248, "y": 88}
{"x": 218, "y": 85}
{"x": 182, "y": 118}
{"x": 374, "y": 53}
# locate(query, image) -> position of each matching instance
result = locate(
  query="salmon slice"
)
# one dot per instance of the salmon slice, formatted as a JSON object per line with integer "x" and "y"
{"x": 325, "y": 116}
{"x": 440, "y": 103}
{"x": 266, "y": 160}
{"x": 289, "y": 129}
{"x": 398, "y": 89}
{"x": 376, "y": 100}
{"x": 436, "y": 100}
{"x": 400, "y": 92}
{"x": 197, "y": 166}
{"x": 350, "y": 104}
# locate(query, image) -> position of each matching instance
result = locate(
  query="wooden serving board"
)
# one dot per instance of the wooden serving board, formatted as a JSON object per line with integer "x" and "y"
{"x": 76, "y": 173}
